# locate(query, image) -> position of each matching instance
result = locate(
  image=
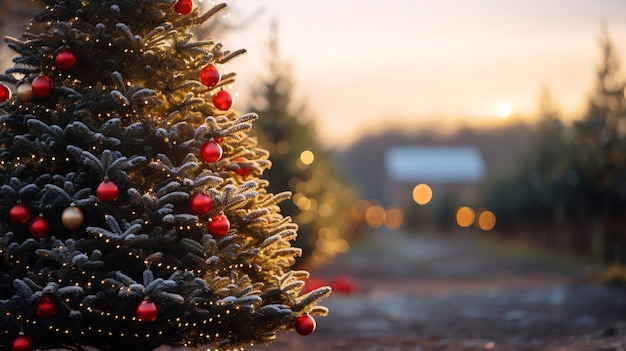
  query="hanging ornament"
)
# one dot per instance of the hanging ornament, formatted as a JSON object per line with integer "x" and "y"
{"x": 65, "y": 59}
{"x": 305, "y": 324}
{"x": 147, "y": 311}
{"x": 107, "y": 191}
{"x": 201, "y": 203}
{"x": 42, "y": 86}
{"x": 210, "y": 76}
{"x": 19, "y": 214}
{"x": 46, "y": 308}
{"x": 219, "y": 225}
{"x": 39, "y": 227}
{"x": 25, "y": 92}
{"x": 5, "y": 93}
{"x": 72, "y": 217}
{"x": 22, "y": 343}
{"x": 184, "y": 6}
{"x": 211, "y": 151}
{"x": 222, "y": 100}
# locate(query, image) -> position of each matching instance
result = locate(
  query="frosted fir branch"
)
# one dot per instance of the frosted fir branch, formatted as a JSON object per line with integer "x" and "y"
{"x": 296, "y": 274}
{"x": 28, "y": 245}
{"x": 135, "y": 40}
{"x": 275, "y": 199}
{"x": 210, "y": 13}
{"x": 22, "y": 290}
{"x": 293, "y": 287}
{"x": 21, "y": 142}
{"x": 250, "y": 290}
{"x": 157, "y": 34}
{"x": 133, "y": 130}
{"x": 192, "y": 49}
{"x": 124, "y": 279}
{"x": 65, "y": 197}
{"x": 86, "y": 158}
{"x": 72, "y": 290}
{"x": 239, "y": 127}
{"x": 8, "y": 194}
{"x": 180, "y": 219}
{"x": 119, "y": 97}
{"x": 189, "y": 102}
{"x": 100, "y": 31}
{"x": 312, "y": 298}
{"x": 171, "y": 186}
{"x": 142, "y": 95}
{"x": 288, "y": 252}
{"x": 160, "y": 285}
{"x": 116, "y": 234}
{"x": 192, "y": 246}
{"x": 50, "y": 289}
{"x": 273, "y": 310}
{"x": 42, "y": 129}
{"x": 188, "y": 85}
{"x": 119, "y": 82}
{"x": 271, "y": 240}
{"x": 148, "y": 277}
{"x": 256, "y": 214}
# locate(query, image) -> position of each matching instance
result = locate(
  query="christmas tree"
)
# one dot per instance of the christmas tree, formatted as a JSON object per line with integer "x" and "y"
{"x": 126, "y": 220}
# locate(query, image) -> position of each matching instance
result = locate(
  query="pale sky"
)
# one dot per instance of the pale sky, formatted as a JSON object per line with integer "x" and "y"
{"x": 362, "y": 65}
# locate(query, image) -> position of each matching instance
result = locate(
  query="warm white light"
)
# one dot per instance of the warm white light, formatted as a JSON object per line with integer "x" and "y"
{"x": 504, "y": 110}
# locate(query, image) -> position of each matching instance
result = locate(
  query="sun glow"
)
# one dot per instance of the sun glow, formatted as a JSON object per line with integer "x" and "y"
{"x": 504, "y": 110}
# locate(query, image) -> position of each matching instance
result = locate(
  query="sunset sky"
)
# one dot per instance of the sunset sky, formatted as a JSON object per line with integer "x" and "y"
{"x": 413, "y": 63}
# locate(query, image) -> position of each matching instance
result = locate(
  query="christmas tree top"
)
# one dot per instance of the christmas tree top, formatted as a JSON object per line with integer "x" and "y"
{"x": 126, "y": 221}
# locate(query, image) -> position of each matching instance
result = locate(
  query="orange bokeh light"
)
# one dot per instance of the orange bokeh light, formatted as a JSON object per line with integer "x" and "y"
{"x": 422, "y": 194}
{"x": 465, "y": 216}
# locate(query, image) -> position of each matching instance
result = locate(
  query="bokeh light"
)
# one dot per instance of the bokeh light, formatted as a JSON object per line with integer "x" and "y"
{"x": 422, "y": 194}
{"x": 307, "y": 157}
{"x": 375, "y": 216}
{"x": 394, "y": 218}
{"x": 465, "y": 216}
{"x": 486, "y": 220}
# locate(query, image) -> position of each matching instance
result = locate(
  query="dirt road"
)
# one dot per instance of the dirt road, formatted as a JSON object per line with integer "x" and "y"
{"x": 459, "y": 293}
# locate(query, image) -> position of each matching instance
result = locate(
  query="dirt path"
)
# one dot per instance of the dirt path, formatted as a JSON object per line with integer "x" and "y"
{"x": 429, "y": 293}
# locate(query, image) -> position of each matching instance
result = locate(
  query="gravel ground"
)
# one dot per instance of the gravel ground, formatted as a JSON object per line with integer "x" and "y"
{"x": 457, "y": 293}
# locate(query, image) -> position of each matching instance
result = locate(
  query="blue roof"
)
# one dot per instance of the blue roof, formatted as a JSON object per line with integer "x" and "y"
{"x": 435, "y": 164}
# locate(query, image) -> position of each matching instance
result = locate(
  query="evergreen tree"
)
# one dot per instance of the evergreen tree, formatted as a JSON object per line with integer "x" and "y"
{"x": 321, "y": 202}
{"x": 126, "y": 222}
{"x": 601, "y": 134}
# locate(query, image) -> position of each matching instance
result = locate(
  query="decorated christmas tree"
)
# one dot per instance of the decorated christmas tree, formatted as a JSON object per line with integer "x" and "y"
{"x": 127, "y": 222}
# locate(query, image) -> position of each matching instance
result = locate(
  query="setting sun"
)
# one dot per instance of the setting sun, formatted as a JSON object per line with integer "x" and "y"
{"x": 504, "y": 110}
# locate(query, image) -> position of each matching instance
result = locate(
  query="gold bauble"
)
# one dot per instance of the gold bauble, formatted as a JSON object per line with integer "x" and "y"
{"x": 72, "y": 217}
{"x": 25, "y": 92}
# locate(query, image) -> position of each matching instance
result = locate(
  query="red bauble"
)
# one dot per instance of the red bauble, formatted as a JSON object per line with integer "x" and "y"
{"x": 201, "y": 203}
{"x": 147, "y": 311}
{"x": 5, "y": 93}
{"x": 42, "y": 87}
{"x": 46, "y": 308}
{"x": 22, "y": 343}
{"x": 65, "y": 60}
{"x": 219, "y": 225}
{"x": 19, "y": 214}
{"x": 183, "y": 6}
{"x": 210, "y": 76}
{"x": 107, "y": 191}
{"x": 211, "y": 151}
{"x": 39, "y": 227}
{"x": 222, "y": 100}
{"x": 305, "y": 324}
